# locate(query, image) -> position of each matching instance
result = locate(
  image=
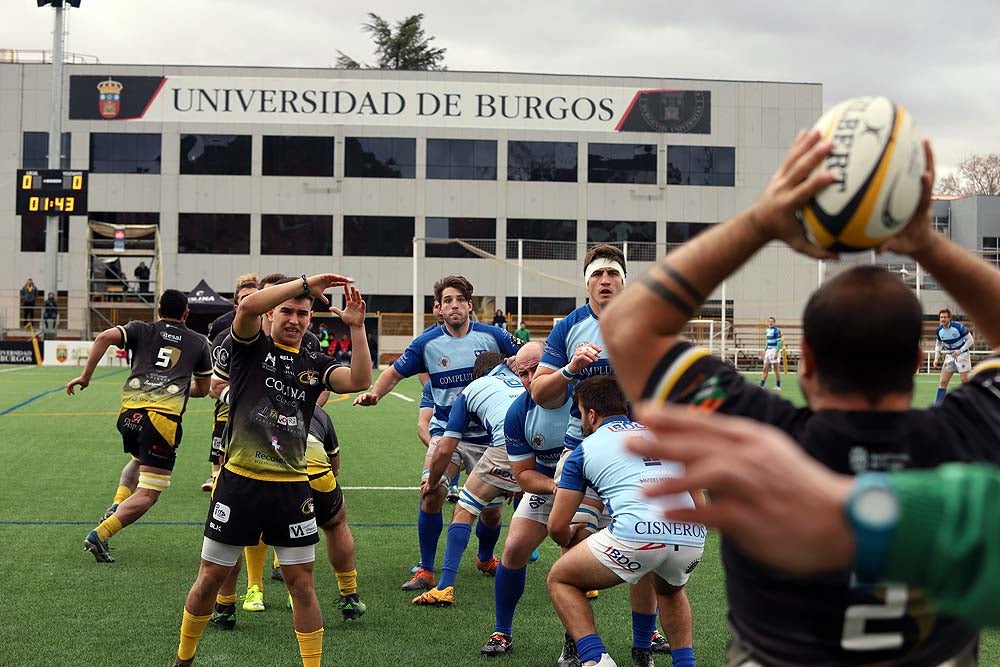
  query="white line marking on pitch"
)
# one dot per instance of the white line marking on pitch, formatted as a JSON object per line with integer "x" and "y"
{"x": 19, "y": 368}
{"x": 380, "y": 488}
{"x": 405, "y": 398}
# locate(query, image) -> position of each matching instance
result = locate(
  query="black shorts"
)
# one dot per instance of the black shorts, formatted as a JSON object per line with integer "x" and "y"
{"x": 327, "y": 503}
{"x": 244, "y": 509}
{"x": 217, "y": 454}
{"x": 151, "y": 437}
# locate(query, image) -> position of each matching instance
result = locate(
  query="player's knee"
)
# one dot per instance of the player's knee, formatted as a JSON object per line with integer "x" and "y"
{"x": 516, "y": 553}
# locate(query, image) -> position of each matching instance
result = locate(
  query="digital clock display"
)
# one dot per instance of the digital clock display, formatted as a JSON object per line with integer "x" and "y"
{"x": 51, "y": 191}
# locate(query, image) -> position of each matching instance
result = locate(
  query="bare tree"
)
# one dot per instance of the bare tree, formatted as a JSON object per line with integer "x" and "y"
{"x": 405, "y": 48}
{"x": 976, "y": 175}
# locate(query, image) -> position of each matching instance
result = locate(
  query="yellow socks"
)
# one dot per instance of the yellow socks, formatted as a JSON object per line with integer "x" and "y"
{"x": 122, "y": 493}
{"x": 226, "y": 600}
{"x": 310, "y": 647}
{"x": 255, "y": 565}
{"x": 191, "y": 629}
{"x": 108, "y": 527}
{"x": 276, "y": 564}
{"x": 347, "y": 582}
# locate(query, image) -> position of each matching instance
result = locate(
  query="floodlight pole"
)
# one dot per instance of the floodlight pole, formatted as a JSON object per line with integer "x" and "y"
{"x": 55, "y": 146}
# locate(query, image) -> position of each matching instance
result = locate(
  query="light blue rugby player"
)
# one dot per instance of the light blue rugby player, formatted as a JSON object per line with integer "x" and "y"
{"x": 448, "y": 353}
{"x": 486, "y": 401}
{"x": 639, "y": 540}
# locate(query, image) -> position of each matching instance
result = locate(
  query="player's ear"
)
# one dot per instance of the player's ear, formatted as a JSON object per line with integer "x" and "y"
{"x": 807, "y": 361}
{"x": 918, "y": 362}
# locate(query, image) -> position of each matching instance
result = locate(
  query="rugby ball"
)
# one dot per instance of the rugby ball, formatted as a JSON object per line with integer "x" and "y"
{"x": 876, "y": 161}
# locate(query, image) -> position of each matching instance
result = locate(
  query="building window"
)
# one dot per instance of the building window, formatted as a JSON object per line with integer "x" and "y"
{"x": 701, "y": 165}
{"x": 481, "y": 232}
{"x": 621, "y": 163}
{"x": 682, "y": 232}
{"x": 217, "y": 233}
{"x": 640, "y": 236}
{"x": 380, "y": 157}
{"x": 389, "y": 303}
{"x": 557, "y": 306}
{"x": 462, "y": 159}
{"x": 216, "y": 154}
{"x": 543, "y": 239}
{"x": 33, "y": 233}
{"x": 283, "y": 234}
{"x": 35, "y": 150}
{"x": 541, "y": 161}
{"x": 119, "y": 153}
{"x": 942, "y": 225}
{"x": 119, "y": 218}
{"x": 991, "y": 250}
{"x": 298, "y": 156}
{"x": 378, "y": 236}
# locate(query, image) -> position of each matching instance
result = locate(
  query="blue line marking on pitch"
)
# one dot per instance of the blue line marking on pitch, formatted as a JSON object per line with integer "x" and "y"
{"x": 50, "y": 391}
{"x": 180, "y": 523}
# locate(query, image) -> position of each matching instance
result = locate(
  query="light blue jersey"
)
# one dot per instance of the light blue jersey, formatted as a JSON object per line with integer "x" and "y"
{"x": 580, "y": 327}
{"x": 426, "y": 396}
{"x": 618, "y": 476}
{"x": 486, "y": 402}
{"x": 449, "y": 361}
{"x": 773, "y": 338}
{"x": 533, "y": 431}
{"x": 956, "y": 336}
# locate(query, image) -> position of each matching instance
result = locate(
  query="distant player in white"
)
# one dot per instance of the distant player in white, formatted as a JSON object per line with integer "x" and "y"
{"x": 955, "y": 340}
{"x": 772, "y": 353}
{"x": 639, "y": 543}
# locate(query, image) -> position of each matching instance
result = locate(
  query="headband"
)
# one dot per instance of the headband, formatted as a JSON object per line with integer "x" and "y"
{"x": 599, "y": 264}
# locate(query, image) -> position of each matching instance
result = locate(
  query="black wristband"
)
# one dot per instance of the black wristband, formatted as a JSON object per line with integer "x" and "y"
{"x": 305, "y": 285}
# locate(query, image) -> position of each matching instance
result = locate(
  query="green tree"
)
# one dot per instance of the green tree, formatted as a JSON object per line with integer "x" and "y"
{"x": 405, "y": 48}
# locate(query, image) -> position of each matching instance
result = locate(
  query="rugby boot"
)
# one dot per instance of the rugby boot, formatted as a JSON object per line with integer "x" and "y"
{"x": 254, "y": 599}
{"x": 276, "y": 574}
{"x": 423, "y": 580}
{"x": 660, "y": 643}
{"x": 534, "y": 556}
{"x": 452, "y": 496}
{"x": 642, "y": 657}
{"x": 224, "y": 616}
{"x": 569, "y": 657}
{"x": 183, "y": 663}
{"x": 351, "y": 607}
{"x": 208, "y": 484}
{"x": 605, "y": 661}
{"x": 488, "y": 566}
{"x": 591, "y": 595}
{"x": 94, "y": 545}
{"x": 108, "y": 512}
{"x": 498, "y": 644}
{"x": 436, "y": 598}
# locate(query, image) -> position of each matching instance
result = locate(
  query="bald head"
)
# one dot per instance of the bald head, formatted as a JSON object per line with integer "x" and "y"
{"x": 526, "y": 362}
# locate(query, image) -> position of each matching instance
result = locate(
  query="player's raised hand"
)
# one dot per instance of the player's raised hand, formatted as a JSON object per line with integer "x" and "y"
{"x": 321, "y": 282}
{"x": 919, "y": 234}
{"x": 353, "y": 313}
{"x": 584, "y": 356}
{"x": 791, "y": 187}
{"x": 366, "y": 399}
{"x": 76, "y": 382}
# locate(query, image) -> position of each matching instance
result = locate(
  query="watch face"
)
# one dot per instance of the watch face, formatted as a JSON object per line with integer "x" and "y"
{"x": 877, "y": 508}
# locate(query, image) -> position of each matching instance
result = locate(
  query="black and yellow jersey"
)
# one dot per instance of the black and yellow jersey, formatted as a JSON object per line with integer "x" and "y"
{"x": 165, "y": 356}
{"x": 321, "y": 444}
{"x": 272, "y": 393}
{"x": 832, "y": 619}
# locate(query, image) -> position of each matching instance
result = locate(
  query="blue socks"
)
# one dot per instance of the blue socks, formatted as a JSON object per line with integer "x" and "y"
{"x": 428, "y": 533}
{"x": 762, "y": 383}
{"x": 507, "y": 591}
{"x": 683, "y": 657}
{"x": 487, "y": 539}
{"x": 458, "y": 540}
{"x": 591, "y": 648}
{"x": 940, "y": 395}
{"x": 643, "y": 626}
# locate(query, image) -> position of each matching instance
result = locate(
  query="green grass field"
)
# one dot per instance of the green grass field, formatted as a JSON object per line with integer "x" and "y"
{"x": 61, "y": 461}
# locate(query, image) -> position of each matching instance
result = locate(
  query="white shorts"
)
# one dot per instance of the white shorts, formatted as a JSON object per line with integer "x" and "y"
{"x": 630, "y": 561}
{"x": 494, "y": 468}
{"x": 534, "y": 508}
{"x": 465, "y": 456}
{"x": 961, "y": 365}
{"x": 772, "y": 355}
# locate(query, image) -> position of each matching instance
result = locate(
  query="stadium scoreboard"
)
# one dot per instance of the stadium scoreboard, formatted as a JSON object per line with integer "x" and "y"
{"x": 51, "y": 192}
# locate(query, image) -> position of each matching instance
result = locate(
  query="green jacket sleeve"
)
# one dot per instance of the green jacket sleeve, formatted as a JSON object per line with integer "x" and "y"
{"x": 948, "y": 539}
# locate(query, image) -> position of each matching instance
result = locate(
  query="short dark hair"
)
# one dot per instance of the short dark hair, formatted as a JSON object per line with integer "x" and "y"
{"x": 944, "y": 310}
{"x": 864, "y": 328}
{"x": 272, "y": 279}
{"x": 605, "y": 251}
{"x": 485, "y": 362}
{"x": 602, "y": 394}
{"x": 460, "y": 283}
{"x": 172, "y": 304}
